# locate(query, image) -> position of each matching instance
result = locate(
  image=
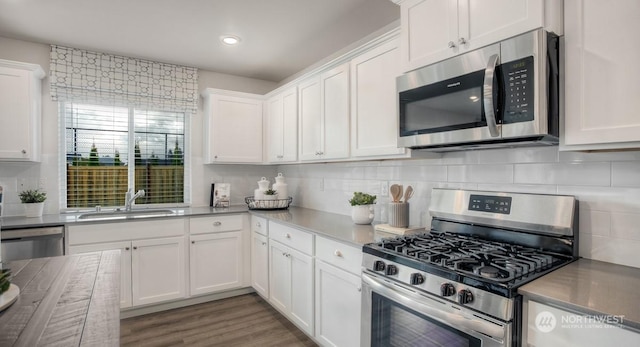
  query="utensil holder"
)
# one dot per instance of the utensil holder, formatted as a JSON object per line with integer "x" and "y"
{"x": 399, "y": 214}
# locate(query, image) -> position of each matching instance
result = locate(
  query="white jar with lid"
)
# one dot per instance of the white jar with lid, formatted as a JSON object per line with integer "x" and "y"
{"x": 263, "y": 185}
{"x": 281, "y": 187}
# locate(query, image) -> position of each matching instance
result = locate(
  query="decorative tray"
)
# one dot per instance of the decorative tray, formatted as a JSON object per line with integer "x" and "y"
{"x": 279, "y": 204}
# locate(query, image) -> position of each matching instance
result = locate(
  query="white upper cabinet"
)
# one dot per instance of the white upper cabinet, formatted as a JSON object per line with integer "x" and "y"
{"x": 601, "y": 75}
{"x": 232, "y": 126}
{"x": 282, "y": 113}
{"x": 374, "y": 121}
{"x": 324, "y": 115}
{"x": 433, "y": 30}
{"x": 20, "y": 111}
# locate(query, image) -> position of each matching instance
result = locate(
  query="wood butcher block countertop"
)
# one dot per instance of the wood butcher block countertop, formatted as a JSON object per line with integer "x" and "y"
{"x": 64, "y": 301}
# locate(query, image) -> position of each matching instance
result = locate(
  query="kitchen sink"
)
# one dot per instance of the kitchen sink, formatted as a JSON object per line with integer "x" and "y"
{"x": 126, "y": 214}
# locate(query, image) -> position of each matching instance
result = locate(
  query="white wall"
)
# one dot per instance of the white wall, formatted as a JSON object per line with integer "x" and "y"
{"x": 18, "y": 176}
{"x": 607, "y": 186}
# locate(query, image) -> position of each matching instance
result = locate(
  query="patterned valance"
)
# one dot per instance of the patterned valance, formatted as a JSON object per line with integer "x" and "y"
{"x": 89, "y": 77}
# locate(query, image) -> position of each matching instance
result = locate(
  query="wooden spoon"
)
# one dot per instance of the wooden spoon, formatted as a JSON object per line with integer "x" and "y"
{"x": 396, "y": 192}
{"x": 408, "y": 194}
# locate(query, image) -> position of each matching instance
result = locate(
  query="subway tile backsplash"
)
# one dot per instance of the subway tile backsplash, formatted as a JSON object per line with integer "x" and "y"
{"x": 607, "y": 186}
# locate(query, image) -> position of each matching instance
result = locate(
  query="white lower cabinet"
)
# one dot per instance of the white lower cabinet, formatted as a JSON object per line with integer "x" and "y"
{"x": 158, "y": 268}
{"x": 153, "y": 256}
{"x": 291, "y": 284}
{"x": 337, "y": 306}
{"x": 151, "y": 270}
{"x": 219, "y": 253}
{"x": 260, "y": 264}
{"x": 216, "y": 262}
{"x": 125, "y": 265}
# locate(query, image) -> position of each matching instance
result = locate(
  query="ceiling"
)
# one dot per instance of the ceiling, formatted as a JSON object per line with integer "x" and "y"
{"x": 279, "y": 37}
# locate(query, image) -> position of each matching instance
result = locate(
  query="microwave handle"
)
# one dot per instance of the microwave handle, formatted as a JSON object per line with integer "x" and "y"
{"x": 487, "y": 99}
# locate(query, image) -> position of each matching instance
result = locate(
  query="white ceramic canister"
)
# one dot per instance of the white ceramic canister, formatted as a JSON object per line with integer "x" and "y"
{"x": 281, "y": 187}
{"x": 263, "y": 185}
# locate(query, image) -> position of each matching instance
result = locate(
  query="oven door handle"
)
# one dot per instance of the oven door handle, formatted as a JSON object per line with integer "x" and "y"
{"x": 487, "y": 96}
{"x": 417, "y": 302}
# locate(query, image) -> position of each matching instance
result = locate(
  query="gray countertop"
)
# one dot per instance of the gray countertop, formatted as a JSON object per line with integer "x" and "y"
{"x": 335, "y": 226}
{"x": 591, "y": 287}
{"x": 72, "y": 218}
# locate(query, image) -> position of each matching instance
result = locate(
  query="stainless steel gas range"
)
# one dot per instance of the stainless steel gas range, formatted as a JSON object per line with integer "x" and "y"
{"x": 457, "y": 285}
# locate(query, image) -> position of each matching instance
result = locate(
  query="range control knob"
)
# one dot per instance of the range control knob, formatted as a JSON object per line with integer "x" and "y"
{"x": 416, "y": 279}
{"x": 379, "y": 265}
{"x": 447, "y": 289}
{"x": 391, "y": 270}
{"x": 465, "y": 297}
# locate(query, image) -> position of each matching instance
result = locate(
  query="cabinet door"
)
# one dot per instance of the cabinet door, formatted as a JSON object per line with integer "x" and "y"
{"x": 282, "y": 111}
{"x": 335, "y": 112}
{"x": 429, "y": 31}
{"x": 601, "y": 95}
{"x": 279, "y": 277}
{"x": 235, "y": 129}
{"x": 276, "y": 128}
{"x": 125, "y": 265}
{"x": 301, "y": 290}
{"x": 310, "y": 119}
{"x": 216, "y": 262}
{"x": 158, "y": 270}
{"x": 15, "y": 114}
{"x": 260, "y": 264}
{"x": 290, "y": 125}
{"x": 337, "y": 306}
{"x": 484, "y": 22}
{"x": 374, "y": 120}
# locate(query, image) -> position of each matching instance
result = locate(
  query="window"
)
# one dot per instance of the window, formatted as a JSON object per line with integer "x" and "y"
{"x": 111, "y": 149}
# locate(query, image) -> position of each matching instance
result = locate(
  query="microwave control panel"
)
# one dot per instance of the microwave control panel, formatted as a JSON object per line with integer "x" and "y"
{"x": 519, "y": 90}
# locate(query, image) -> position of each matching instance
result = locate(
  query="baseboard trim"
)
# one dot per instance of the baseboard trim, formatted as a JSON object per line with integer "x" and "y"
{"x": 139, "y": 311}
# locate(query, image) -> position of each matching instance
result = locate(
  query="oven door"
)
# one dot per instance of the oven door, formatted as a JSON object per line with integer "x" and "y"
{"x": 395, "y": 315}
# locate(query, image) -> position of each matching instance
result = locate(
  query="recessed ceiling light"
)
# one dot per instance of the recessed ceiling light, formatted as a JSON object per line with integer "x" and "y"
{"x": 230, "y": 40}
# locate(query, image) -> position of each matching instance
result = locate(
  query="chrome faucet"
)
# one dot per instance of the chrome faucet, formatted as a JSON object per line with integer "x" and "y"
{"x": 129, "y": 198}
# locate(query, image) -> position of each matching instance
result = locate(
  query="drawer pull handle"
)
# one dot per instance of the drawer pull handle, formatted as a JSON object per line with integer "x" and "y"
{"x": 337, "y": 253}
{"x": 126, "y": 248}
{"x": 287, "y": 235}
{"x": 193, "y": 242}
{"x": 134, "y": 248}
{"x": 359, "y": 289}
{"x": 258, "y": 224}
{"x": 264, "y": 243}
{"x": 217, "y": 224}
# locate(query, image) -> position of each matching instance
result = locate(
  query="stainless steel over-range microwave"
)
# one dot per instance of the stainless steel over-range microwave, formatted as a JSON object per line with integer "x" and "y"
{"x": 501, "y": 95}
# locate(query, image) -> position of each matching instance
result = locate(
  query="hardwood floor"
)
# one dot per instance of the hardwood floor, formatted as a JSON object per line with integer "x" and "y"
{"x": 245, "y": 320}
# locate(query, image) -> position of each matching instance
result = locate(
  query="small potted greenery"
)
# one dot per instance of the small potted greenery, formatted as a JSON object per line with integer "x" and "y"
{"x": 33, "y": 200}
{"x": 362, "y": 207}
{"x": 270, "y": 194}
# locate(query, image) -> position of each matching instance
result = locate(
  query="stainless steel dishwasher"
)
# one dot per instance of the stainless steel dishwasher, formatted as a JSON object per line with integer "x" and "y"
{"x": 18, "y": 244}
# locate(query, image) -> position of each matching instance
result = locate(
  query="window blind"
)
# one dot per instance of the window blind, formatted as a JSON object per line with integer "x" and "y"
{"x": 109, "y": 149}
{"x": 87, "y": 77}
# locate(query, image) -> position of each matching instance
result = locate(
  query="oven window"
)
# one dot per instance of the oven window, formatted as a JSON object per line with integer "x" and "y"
{"x": 395, "y": 325}
{"x": 449, "y": 105}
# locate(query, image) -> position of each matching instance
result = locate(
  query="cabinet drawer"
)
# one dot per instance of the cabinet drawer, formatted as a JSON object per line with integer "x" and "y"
{"x": 259, "y": 225}
{"x": 294, "y": 238}
{"x": 202, "y": 225}
{"x": 339, "y": 254}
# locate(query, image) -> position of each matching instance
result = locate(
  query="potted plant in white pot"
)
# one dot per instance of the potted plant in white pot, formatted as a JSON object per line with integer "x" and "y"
{"x": 362, "y": 207}
{"x": 33, "y": 200}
